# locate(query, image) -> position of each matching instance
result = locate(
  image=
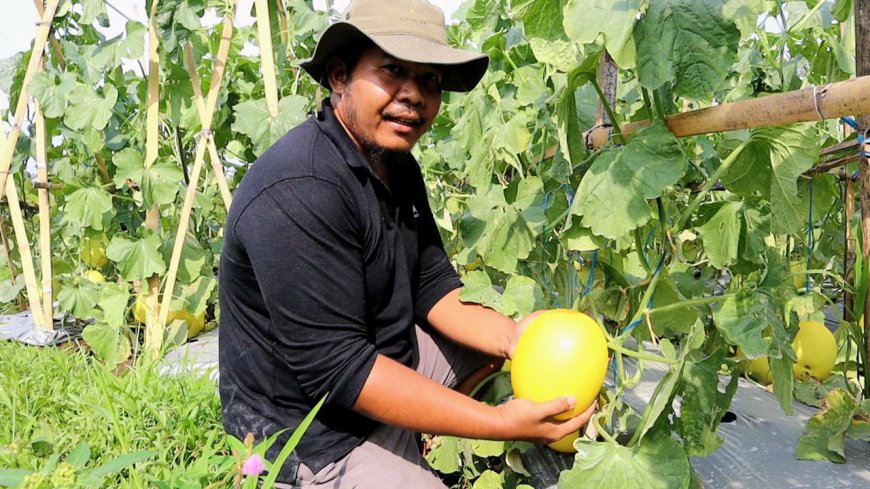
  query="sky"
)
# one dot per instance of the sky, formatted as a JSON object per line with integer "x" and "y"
{"x": 18, "y": 28}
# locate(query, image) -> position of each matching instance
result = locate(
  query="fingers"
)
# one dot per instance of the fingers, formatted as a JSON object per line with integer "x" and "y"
{"x": 559, "y": 405}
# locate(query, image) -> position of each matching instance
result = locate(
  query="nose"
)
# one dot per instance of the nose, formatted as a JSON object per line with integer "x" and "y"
{"x": 410, "y": 93}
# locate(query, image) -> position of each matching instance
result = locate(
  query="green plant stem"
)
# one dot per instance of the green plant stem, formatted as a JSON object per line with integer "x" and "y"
{"x": 660, "y": 107}
{"x": 640, "y": 355}
{"x": 617, "y": 132}
{"x": 485, "y": 381}
{"x": 700, "y": 301}
{"x": 647, "y": 295}
{"x": 647, "y": 102}
{"x": 710, "y": 183}
{"x": 663, "y": 223}
{"x": 596, "y": 422}
{"x": 638, "y": 243}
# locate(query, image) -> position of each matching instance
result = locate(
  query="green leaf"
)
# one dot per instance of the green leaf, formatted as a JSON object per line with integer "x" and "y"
{"x": 193, "y": 297}
{"x": 252, "y": 118}
{"x": 585, "y": 20}
{"x": 487, "y": 448}
{"x": 160, "y": 184}
{"x": 91, "y": 9}
{"x": 79, "y": 298}
{"x": 444, "y": 455}
{"x": 612, "y": 195}
{"x": 658, "y": 462}
{"x": 561, "y": 55}
{"x": 97, "y": 474}
{"x": 80, "y": 455}
{"x": 543, "y": 20}
{"x": 721, "y": 232}
{"x": 744, "y": 319}
{"x": 676, "y": 321}
{"x": 530, "y": 203}
{"x": 703, "y": 405}
{"x": 88, "y": 109}
{"x": 477, "y": 287}
{"x": 568, "y": 126}
{"x": 109, "y": 343}
{"x": 770, "y": 164}
{"x": 113, "y": 301}
{"x": 489, "y": 479}
{"x": 521, "y": 297}
{"x": 9, "y": 291}
{"x": 841, "y": 10}
{"x": 52, "y": 92}
{"x": 13, "y": 477}
{"x": 781, "y": 369}
{"x": 191, "y": 261}
{"x": 686, "y": 42}
{"x": 510, "y": 241}
{"x": 88, "y": 206}
{"x": 137, "y": 259}
{"x": 130, "y": 164}
{"x": 825, "y": 435}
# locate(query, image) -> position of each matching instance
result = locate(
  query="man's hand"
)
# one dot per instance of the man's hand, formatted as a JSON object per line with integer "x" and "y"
{"x": 533, "y": 421}
{"x": 518, "y": 329}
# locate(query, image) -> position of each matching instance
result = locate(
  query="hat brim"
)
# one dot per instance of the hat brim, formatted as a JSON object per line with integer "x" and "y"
{"x": 462, "y": 70}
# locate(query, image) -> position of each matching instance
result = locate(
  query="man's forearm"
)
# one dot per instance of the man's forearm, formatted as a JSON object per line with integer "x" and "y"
{"x": 397, "y": 395}
{"x": 472, "y": 325}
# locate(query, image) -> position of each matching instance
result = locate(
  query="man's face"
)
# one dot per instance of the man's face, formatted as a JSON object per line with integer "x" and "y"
{"x": 386, "y": 104}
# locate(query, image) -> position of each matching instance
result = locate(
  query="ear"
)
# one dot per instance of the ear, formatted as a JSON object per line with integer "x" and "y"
{"x": 336, "y": 74}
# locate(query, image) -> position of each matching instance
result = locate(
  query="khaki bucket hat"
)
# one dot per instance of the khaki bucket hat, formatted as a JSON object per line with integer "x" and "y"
{"x": 410, "y": 30}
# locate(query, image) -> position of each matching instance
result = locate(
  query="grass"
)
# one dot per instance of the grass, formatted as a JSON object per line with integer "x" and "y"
{"x": 52, "y": 400}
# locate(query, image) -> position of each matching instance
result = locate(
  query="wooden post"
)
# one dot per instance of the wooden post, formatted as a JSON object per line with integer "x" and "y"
{"x": 849, "y": 312}
{"x": 267, "y": 56}
{"x": 808, "y": 105}
{"x": 7, "y": 148}
{"x": 862, "y": 62}
{"x": 153, "y": 328}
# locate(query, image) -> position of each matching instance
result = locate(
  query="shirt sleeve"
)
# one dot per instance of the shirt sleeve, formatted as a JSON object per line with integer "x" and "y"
{"x": 437, "y": 275}
{"x": 302, "y": 238}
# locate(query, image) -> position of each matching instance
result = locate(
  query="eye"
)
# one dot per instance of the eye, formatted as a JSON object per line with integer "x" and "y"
{"x": 393, "y": 69}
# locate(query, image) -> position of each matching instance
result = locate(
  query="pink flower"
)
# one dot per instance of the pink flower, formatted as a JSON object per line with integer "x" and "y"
{"x": 253, "y": 465}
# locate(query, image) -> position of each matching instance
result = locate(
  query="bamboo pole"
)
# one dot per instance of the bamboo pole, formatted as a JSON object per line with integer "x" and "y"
{"x": 284, "y": 27}
{"x": 44, "y": 216}
{"x": 31, "y": 285}
{"x": 55, "y": 46}
{"x": 267, "y": 61}
{"x": 153, "y": 327}
{"x": 862, "y": 63}
{"x": 8, "y": 148}
{"x": 851, "y": 246}
{"x": 839, "y": 99}
{"x": 206, "y": 114}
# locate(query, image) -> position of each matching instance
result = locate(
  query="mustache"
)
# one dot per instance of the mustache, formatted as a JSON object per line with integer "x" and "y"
{"x": 408, "y": 116}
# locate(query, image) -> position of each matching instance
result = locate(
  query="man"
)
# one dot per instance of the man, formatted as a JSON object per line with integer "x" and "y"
{"x": 334, "y": 280}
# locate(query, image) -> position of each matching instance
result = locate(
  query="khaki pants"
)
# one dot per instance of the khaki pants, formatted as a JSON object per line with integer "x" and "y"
{"x": 390, "y": 458}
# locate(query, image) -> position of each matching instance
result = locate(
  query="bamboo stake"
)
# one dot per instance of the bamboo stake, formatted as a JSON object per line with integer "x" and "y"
{"x": 267, "y": 62}
{"x": 284, "y": 27}
{"x": 55, "y": 46}
{"x": 153, "y": 327}
{"x": 8, "y": 148}
{"x": 30, "y": 282}
{"x": 206, "y": 114}
{"x": 835, "y": 100}
{"x": 44, "y": 216}
{"x": 851, "y": 246}
{"x": 862, "y": 62}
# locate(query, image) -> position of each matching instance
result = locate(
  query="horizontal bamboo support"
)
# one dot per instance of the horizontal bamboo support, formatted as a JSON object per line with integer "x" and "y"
{"x": 846, "y": 98}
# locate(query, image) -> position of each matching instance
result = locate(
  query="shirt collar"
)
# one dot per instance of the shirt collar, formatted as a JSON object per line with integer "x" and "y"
{"x": 330, "y": 125}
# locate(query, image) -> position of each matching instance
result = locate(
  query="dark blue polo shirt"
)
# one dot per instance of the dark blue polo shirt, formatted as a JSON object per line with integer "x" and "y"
{"x": 322, "y": 267}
